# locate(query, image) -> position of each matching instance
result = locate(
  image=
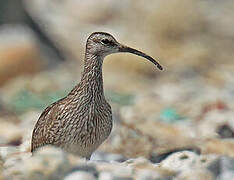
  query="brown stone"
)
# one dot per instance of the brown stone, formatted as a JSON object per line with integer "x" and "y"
{"x": 18, "y": 60}
{"x": 19, "y": 54}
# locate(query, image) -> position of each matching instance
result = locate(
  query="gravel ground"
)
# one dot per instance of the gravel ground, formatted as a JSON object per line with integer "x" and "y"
{"x": 175, "y": 124}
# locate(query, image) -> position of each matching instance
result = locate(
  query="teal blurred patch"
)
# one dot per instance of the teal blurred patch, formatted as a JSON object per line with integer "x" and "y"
{"x": 121, "y": 99}
{"x": 170, "y": 115}
{"x": 24, "y": 100}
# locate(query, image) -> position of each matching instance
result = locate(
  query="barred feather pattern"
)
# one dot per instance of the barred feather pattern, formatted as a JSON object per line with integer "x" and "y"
{"x": 82, "y": 120}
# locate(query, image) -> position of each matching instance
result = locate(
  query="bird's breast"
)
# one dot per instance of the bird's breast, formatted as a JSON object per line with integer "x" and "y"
{"x": 89, "y": 129}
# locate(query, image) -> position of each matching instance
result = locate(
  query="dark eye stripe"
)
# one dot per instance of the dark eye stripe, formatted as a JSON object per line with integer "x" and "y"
{"x": 105, "y": 41}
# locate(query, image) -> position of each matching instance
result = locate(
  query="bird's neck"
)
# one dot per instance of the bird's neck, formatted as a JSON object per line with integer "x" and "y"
{"x": 91, "y": 78}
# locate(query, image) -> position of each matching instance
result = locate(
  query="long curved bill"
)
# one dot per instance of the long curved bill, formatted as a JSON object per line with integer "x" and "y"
{"x": 123, "y": 48}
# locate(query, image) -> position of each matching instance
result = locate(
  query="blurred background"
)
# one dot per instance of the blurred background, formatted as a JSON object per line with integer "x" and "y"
{"x": 189, "y": 105}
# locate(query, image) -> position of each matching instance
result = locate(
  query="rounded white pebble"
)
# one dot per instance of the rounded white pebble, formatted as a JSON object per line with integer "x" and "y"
{"x": 105, "y": 176}
{"x": 80, "y": 175}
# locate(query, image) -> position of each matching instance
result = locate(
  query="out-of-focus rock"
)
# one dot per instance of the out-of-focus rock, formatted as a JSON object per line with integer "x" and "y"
{"x": 123, "y": 178}
{"x": 10, "y": 133}
{"x": 53, "y": 163}
{"x": 18, "y": 53}
{"x": 8, "y": 151}
{"x": 80, "y": 175}
{"x": 209, "y": 126}
{"x": 102, "y": 156}
{"x": 143, "y": 104}
{"x": 115, "y": 168}
{"x": 225, "y": 131}
{"x": 145, "y": 137}
{"x": 194, "y": 174}
{"x": 139, "y": 168}
{"x": 147, "y": 174}
{"x": 222, "y": 168}
{"x": 28, "y": 120}
{"x": 13, "y": 164}
{"x": 129, "y": 142}
{"x": 84, "y": 167}
{"x": 1, "y": 168}
{"x": 227, "y": 168}
{"x": 186, "y": 160}
{"x": 145, "y": 169}
{"x": 106, "y": 176}
{"x": 46, "y": 163}
{"x": 218, "y": 146}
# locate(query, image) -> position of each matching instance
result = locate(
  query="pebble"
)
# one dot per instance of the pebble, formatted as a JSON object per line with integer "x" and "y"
{"x": 89, "y": 168}
{"x": 123, "y": 178}
{"x": 185, "y": 160}
{"x": 5, "y": 151}
{"x": 102, "y": 156}
{"x": 1, "y": 167}
{"x": 106, "y": 176}
{"x": 80, "y": 175}
{"x": 46, "y": 163}
{"x": 10, "y": 132}
{"x": 223, "y": 168}
{"x": 194, "y": 174}
{"x": 117, "y": 169}
{"x": 214, "y": 123}
{"x": 53, "y": 163}
{"x": 147, "y": 174}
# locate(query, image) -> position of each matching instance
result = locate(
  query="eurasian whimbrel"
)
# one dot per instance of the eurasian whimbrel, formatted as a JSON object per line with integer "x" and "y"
{"x": 81, "y": 121}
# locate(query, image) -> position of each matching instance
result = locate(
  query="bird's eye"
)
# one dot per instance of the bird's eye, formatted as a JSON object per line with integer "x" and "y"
{"x": 105, "y": 41}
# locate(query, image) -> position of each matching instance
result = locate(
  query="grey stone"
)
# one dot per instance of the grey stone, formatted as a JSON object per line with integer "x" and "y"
{"x": 227, "y": 168}
{"x": 86, "y": 168}
{"x": 214, "y": 167}
{"x": 102, "y": 156}
{"x": 166, "y": 178}
{"x": 123, "y": 178}
{"x": 222, "y": 168}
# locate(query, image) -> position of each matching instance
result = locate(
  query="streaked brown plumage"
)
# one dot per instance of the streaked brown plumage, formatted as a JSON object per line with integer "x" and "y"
{"x": 82, "y": 120}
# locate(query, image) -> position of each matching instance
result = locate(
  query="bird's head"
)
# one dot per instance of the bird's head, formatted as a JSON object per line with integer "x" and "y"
{"x": 103, "y": 44}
